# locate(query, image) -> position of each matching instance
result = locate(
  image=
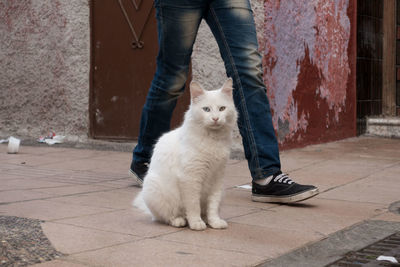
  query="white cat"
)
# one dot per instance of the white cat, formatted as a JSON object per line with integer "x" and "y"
{"x": 184, "y": 181}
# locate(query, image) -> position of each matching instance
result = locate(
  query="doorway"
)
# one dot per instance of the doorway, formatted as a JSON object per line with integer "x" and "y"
{"x": 369, "y": 60}
{"x": 124, "y": 47}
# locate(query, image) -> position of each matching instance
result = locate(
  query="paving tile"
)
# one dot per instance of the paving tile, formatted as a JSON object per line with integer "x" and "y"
{"x": 69, "y": 239}
{"x": 323, "y": 151}
{"x": 72, "y": 189}
{"x": 387, "y": 216}
{"x": 58, "y": 263}
{"x": 315, "y": 216}
{"x": 83, "y": 177}
{"x": 291, "y": 163}
{"x": 152, "y": 252}
{"x": 36, "y": 156}
{"x": 115, "y": 156}
{"x": 386, "y": 153}
{"x": 231, "y": 181}
{"x": 41, "y": 149}
{"x": 102, "y": 228}
{"x": 121, "y": 183}
{"x": 360, "y": 145}
{"x": 33, "y": 172}
{"x": 72, "y": 164}
{"x": 83, "y": 153}
{"x": 48, "y": 210}
{"x": 115, "y": 199}
{"x": 4, "y": 156}
{"x": 369, "y": 160}
{"x": 393, "y": 171}
{"x": 132, "y": 221}
{"x": 33, "y": 159}
{"x": 4, "y": 175}
{"x": 3, "y": 147}
{"x": 330, "y": 173}
{"x": 231, "y": 211}
{"x": 242, "y": 198}
{"x": 21, "y": 195}
{"x": 110, "y": 166}
{"x": 7, "y": 167}
{"x": 91, "y": 164}
{"x": 250, "y": 239}
{"x": 382, "y": 187}
{"x": 17, "y": 182}
{"x": 238, "y": 169}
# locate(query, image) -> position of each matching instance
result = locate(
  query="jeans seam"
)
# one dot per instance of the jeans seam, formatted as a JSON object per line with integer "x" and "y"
{"x": 253, "y": 147}
{"x": 162, "y": 30}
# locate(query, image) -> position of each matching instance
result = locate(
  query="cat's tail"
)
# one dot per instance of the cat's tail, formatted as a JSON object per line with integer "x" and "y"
{"x": 139, "y": 203}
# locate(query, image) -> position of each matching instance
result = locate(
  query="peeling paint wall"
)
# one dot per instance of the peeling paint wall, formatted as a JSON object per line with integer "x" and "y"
{"x": 309, "y": 69}
{"x": 44, "y": 67}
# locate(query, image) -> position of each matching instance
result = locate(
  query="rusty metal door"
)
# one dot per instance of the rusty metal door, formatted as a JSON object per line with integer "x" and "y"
{"x": 124, "y": 50}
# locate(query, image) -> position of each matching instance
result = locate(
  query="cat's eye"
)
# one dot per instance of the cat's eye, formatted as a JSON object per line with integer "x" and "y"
{"x": 222, "y": 108}
{"x": 206, "y": 109}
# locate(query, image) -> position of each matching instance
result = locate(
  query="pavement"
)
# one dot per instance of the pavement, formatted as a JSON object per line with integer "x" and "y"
{"x": 82, "y": 201}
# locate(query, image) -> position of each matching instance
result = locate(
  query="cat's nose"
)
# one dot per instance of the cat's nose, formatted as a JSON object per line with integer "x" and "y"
{"x": 215, "y": 119}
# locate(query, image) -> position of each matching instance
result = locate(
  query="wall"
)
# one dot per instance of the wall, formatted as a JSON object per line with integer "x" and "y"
{"x": 309, "y": 61}
{"x": 308, "y": 50}
{"x": 44, "y": 67}
{"x": 309, "y": 53}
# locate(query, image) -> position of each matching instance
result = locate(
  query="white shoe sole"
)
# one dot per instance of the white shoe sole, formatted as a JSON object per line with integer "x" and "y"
{"x": 287, "y": 199}
{"x": 138, "y": 181}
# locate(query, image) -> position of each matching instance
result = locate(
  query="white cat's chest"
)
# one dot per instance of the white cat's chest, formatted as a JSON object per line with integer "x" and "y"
{"x": 209, "y": 145}
{"x": 205, "y": 154}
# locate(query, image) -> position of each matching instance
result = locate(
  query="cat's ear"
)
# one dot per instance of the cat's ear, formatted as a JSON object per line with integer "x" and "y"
{"x": 227, "y": 88}
{"x": 195, "y": 90}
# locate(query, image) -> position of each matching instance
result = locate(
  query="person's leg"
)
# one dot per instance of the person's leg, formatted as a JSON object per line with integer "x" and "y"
{"x": 233, "y": 26}
{"x": 177, "y": 22}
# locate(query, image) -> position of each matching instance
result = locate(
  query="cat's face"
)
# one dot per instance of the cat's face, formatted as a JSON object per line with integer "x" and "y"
{"x": 213, "y": 109}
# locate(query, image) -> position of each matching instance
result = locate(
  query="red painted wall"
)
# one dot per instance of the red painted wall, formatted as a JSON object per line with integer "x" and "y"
{"x": 310, "y": 68}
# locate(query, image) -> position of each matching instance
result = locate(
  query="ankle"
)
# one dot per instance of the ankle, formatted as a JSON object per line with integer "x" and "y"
{"x": 264, "y": 181}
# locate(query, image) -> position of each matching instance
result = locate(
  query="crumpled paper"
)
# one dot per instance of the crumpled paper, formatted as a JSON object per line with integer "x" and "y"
{"x": 51, "y": 139}
{"x": 4, "y": 140}
{"x": 57, "y": 139}
{"x": 387, "y": 258}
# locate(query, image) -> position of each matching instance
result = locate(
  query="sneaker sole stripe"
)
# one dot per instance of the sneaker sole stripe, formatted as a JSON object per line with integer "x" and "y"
{"x": 287, "y": 199}
{"x": 138, "y": 181}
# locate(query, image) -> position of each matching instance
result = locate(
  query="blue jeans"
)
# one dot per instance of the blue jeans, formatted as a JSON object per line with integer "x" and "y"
{"x": 232, "y": 24}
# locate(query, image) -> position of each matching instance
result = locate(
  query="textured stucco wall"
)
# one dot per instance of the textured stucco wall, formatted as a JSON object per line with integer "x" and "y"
{"x": 309, "y": 67}
{"x": 44, "y": 67}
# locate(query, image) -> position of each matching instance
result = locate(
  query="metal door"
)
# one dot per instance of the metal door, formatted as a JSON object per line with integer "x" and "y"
{"x": 124, "y": 50}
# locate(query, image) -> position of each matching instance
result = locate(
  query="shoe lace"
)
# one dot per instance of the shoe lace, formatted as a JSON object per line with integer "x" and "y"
{"x": 283, "y": 178}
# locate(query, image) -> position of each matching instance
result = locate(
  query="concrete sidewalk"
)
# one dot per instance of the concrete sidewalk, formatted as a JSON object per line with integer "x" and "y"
{"x": 83, "y": 199}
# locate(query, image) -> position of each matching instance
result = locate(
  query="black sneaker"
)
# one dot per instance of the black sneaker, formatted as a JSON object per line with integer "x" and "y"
{"x": 138, "y": 172}
{"x": 281, "y": 189}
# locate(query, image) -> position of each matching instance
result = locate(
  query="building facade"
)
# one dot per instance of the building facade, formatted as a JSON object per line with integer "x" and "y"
{"x": 82, "y": 68}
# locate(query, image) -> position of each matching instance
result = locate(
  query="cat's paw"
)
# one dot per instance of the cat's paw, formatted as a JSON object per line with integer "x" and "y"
{"x": 217, "y": 223}
{"x": 197, "y": 225}
{"x": 178, "y": 222}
